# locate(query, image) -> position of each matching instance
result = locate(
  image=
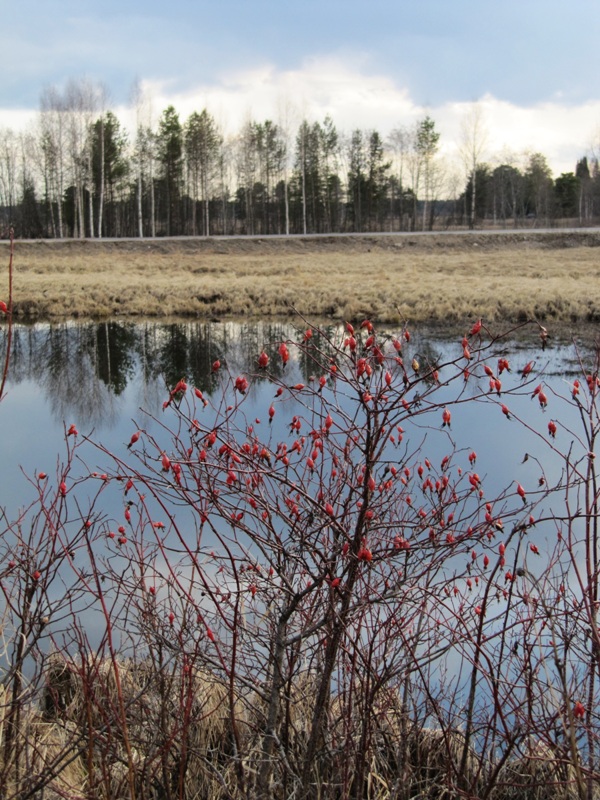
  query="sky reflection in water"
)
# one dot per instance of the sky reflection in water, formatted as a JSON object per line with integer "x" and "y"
{"x": 100, "y": 375}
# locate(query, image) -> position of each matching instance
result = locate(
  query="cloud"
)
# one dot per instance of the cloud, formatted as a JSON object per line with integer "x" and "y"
{"x": 17, "y": 119}
{"x": 561, "y": 133}
{"x": 343, "y": 87}
{"x": 320, "y": 87}
{"x": 356, "y": 99}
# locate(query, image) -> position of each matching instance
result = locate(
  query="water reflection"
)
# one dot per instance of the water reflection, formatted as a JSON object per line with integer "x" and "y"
{"x": 100, "y": 375}
{"x": 84, "y": 370}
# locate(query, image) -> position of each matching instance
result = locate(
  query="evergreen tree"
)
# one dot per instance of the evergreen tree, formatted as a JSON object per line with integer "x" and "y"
{"x": 377, "y": 182}
{"x": 480, "y": 205}
{"x": 426, "y": 147}
{"x": 170, "y": 158}
{"x": 566, "y": 190}
{"x": 202, "y": 145}
{"x": 270, "y": 153}
{"x": 307, "y": 188}
{"x": 330, "y": 153}
{"x": 585, "y": 203}
{"x": 110, "y": 169}
{"x": 247, "y": 171}
{"x": 507, "y": 188}
{"x": 357, "y": 179}
{"x": 539, "y": 188}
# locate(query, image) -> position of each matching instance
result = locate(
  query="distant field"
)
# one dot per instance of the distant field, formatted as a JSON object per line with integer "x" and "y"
{"x": 444, "y": 278}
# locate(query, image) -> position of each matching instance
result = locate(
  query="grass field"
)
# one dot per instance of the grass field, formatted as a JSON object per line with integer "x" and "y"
{"x": 437, "y": 279}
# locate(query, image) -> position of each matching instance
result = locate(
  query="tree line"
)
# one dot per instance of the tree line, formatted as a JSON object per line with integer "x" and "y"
{"x": 80, "y": 173}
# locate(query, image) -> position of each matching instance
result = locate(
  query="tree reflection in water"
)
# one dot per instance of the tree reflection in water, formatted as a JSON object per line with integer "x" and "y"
{"x": 84, "y": 369}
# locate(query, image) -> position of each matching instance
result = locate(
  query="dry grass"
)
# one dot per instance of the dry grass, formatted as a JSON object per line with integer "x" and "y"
{"x": 445, "y": 278}
{"x": 539, "y": 774}
{"x": 177, "y": 731}
{"x": 44, "y": 758}
{"x": 74, "y": 745}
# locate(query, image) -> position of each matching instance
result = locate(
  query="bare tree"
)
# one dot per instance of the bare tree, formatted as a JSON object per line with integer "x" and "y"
{"x": 399, "y": 143}
{"x": 9, "y": 156}
{"x": 81, "y": 102}
{"x": 143, "y": 155}
{"x": 102, "y": 98}
{"x": 472, "y": 147}
{"x": 54, "y": 147}
{"x": 287, "y": 117}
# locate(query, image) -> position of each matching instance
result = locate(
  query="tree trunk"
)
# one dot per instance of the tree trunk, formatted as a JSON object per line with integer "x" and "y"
{"x": 473, "y": 198}
{"x": 152, "y": 203}
{"x": 140, "y": 218}
{"x": 206, "y": 208}
{"x": 101, "y": 198}
{"x": 270, "y": 733}
{"x": 286, "y": 201}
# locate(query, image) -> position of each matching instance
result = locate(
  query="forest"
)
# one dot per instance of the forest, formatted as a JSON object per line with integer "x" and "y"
{"x": 81, "y": 173}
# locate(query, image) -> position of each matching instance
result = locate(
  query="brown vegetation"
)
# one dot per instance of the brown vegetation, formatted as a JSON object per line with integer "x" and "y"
{"x": 433, "y": 278}
{"x": 76, "y": 744}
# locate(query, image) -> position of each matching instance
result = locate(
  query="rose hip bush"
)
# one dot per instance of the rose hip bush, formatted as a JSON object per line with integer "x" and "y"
{"x": 325, "y": 600}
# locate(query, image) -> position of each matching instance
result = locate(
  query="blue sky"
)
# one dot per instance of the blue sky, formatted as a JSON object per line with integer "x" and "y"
{"x": 533, "y": 64}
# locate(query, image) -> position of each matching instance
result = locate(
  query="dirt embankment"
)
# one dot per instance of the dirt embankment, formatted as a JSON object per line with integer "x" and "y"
{"x": 351, "y": 243}
{"x": 437, "y": 277}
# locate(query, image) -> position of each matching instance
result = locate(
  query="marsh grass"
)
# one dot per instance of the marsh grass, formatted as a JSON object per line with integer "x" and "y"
{"x": 441, "y": 279}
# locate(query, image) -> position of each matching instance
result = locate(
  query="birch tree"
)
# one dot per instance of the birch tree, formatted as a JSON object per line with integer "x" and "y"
{"x": 53, "y": 134}
{"x": 472, "y": 147}
{"x": 30, "y": 223}
{"x": 399, "y": 143}
{"x": 81, "y": 102}
{"x": 9, "y": 159}
{"x": 144, "y": 153}
{"x": 100, "y": 179}
{"x": 286, "y": 116}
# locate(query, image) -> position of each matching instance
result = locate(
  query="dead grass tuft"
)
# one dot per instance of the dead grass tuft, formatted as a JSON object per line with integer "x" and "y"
{"x": 169, "y": 729}
{"x": 539, "y": 774}
{"x": 44, "y": 758}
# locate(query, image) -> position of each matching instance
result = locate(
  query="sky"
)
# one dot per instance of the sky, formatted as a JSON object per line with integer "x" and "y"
{"x": 531, "y": 66}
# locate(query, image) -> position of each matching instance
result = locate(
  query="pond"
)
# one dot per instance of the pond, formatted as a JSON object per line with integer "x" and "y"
{"x": 198, "y": 592}
{"x": 100, "y": 376}
{"x": 109, "y": 379}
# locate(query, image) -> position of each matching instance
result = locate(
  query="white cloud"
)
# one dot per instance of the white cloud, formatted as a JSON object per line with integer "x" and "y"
{"x": 354, "y": 99}
{"x": 320, "y": 87}
{"x": 17, "y": 119}
{"x": 562, "y": 133}
{"x": 342, "y": 87}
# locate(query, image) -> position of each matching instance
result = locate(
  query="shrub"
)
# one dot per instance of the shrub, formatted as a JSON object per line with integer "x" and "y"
{"x": 310, "y": 603}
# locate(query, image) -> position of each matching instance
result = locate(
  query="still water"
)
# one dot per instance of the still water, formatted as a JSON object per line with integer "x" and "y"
{"x": 109, "y": 378}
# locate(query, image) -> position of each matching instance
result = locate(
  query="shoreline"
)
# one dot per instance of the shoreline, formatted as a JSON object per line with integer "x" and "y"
{"x": 437, "y": 278}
